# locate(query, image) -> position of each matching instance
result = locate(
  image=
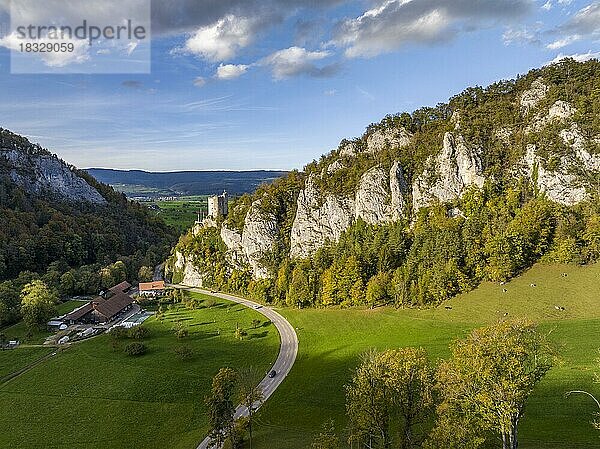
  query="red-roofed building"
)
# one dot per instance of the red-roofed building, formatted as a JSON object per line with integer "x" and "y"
{"x": 153, "y": 288}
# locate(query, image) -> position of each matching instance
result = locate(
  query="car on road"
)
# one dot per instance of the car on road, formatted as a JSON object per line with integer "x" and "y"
{"x": 272, "y": 373}
{"x": 258, "y": 306}
{"x": 213, "y": 291}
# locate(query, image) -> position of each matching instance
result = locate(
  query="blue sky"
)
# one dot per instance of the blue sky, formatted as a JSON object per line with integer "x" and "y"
{"x": 245, "y": 84}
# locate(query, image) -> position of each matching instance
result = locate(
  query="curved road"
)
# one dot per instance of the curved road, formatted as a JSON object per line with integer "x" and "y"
{"x": 288, "y": 349}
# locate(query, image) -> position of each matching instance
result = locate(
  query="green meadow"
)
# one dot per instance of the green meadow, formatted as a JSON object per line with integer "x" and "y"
{"x": 92, "y": 395}
{"x": 331, "y": 342}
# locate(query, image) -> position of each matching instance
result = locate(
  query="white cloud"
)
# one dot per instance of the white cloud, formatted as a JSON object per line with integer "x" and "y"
{"x": 586, "y": 22}
{"x": 230, "y": 71}
{"x": 330, "y": 92}
{"x": 223, "y": 39}
{"x": 295, "y": 61}
{"x": 393, "y": 23}
{"x": 560, "y": 43}
{"x": 522, "y": 35}
{"x": 579, "y": 57}
{"x": 199, "y": 81}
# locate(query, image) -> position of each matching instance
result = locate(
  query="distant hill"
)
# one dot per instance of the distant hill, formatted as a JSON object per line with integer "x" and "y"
{"x": 143, "y": 183}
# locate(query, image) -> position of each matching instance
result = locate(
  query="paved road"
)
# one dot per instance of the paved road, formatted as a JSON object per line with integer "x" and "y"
{"x": 288, "y": 349}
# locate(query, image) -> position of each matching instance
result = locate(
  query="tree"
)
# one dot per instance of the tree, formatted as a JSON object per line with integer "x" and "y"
{"x": 299, "y": 292}
{"x": 327, "y": 438}
{"x": 490, "y": 376}
{"x": 38, "y": 304}
{"x": 255, "y": 323}
{"x": 221, "y": 407}
{"x": 378, "y": 289}
{"x": 250, "y": 393}
{"x": 145, "y": 274}
{"x": 391, "y": 390}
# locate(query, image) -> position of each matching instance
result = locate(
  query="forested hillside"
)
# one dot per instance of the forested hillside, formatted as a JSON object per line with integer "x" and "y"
{"x": 422, "y": 206}
{"x": 61, "y": 225}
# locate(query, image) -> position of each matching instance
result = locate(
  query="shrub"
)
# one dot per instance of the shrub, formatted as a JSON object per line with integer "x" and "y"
{"x": 119, "y": 333}
{"x": 184, "y": 352}
{"x": 181, "y": 333}
{"x": 135, "y": 349}
{"x": 138, "y": 332}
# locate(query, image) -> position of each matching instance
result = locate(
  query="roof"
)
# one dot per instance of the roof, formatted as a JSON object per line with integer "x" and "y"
{"x": 154, "y": 285}
{"x": 121, "y": 287}
{"x": 113, "y": 305}
{"x": 78, "y": 313}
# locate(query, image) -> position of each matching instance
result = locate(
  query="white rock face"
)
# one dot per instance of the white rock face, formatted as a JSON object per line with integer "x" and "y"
{"x": 531, "y": 97}
{"x": 235, "y": 251}
{"x": 334, "y": 166}
{"x": 380, "y": 198}
{"x": 258, "y": 238}
{"x": 381, "y": 139}
{"x": 191, "y": 275}
{"x": 572, "y": 137}
{"x": 372, "y": 202}
{"x": 399, "y": 190}
{"x": 318, "y": 220}
{"x": 561, "y": 110}
{"x": 43, "y": 173}
{"x": 558, "y": 186}
{"x": 350, "y": 149}
{"x": 448, "y": 174}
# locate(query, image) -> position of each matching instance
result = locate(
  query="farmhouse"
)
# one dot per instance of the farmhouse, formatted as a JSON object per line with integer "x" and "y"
{"x": 103, "y": 308}
{"x": 152, "y": 288}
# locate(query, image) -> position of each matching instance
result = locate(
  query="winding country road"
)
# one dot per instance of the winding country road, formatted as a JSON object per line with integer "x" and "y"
{"x": 288, "y": 349}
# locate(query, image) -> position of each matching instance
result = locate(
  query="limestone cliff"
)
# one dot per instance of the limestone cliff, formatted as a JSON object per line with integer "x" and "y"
{"x": 46, "y": 174}
{"x": 448, "y": 174}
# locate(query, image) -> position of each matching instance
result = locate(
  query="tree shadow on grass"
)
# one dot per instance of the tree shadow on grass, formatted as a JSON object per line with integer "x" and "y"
{"x": 258, "y": 335}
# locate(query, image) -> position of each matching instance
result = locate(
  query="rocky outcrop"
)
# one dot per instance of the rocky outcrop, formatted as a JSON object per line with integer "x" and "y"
{"x": 387, "y": 138}
{"x": 573, "y": 138}
{"x": 380, "y": 198}
{"x": 448, "y": 174}
{"x": 318, "y": 220}
{"x": 558, "y": 185}
{"x": 532, "y": 96}
{"x": 399, "y": 190}
{"x": 372, "y": 202}
{"x": 259, "y": 236}
{"x": 42, "y": 174}
{"x": 191, "y": 276}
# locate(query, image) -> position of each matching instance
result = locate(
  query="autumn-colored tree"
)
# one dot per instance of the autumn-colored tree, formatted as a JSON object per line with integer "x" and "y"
{"x": 486, "y": 383}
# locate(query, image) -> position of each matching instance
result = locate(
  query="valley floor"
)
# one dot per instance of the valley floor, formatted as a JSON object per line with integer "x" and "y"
{"x": 92, "y": 396}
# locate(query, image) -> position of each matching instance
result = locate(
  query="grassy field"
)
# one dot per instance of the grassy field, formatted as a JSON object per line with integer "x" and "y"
{"x": 331, "y": 342}
{"x": 109, "y": 400}
{"x": 182, "y": 213}
{"x": 92, "y": 396}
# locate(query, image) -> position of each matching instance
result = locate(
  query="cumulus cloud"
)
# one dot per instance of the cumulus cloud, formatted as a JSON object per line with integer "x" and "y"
{"x": 296, "y": 61}
{"x": 230, "y": 71}
{"x": 390, "y": 24}
{"x": 222, "y": 40}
